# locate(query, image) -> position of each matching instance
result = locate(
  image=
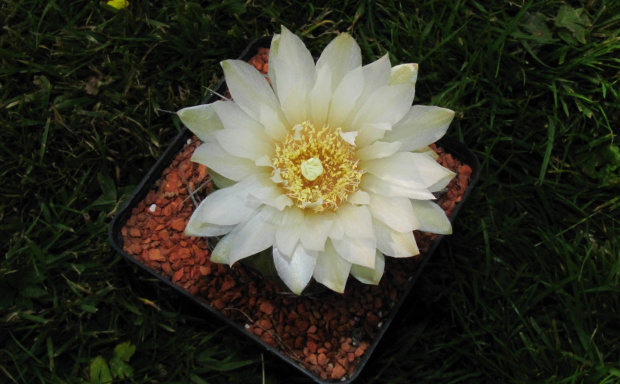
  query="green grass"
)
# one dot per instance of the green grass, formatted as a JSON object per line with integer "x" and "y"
{"x": 526, "y": 291}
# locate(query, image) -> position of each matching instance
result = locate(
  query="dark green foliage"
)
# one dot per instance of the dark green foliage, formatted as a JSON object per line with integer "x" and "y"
{"x": 526, "y": 290}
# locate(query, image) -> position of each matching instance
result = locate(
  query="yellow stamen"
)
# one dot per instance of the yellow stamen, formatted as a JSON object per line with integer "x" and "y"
{"x": 317, "y": 167}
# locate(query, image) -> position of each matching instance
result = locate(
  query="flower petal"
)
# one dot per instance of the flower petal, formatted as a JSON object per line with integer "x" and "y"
{"x": 370, "y": 275}
{"x": 195, "y": 227}
{"x": 370, "y": 133}
{"x": 272, "y": 196}
{"x": 376, "y": 75}
{"x": 264, "y": 191}
{"x": 428, "y": 151}
{"x": 314, "y": 235}
{"x": 431, "y": 217}
{"x": 253, "y": 94}
{"x": 359, "y": 197}
{"x": 349, "y": 137}
{"x": 374, "y": 184}
{"x": 377, "y": 150}
{"x": 337, "y": 231}
{"x": 228, "y": 206}
{"x": 358, "y": 250}
{"x": 201, "y": 120}
{"x": 236, "y": 203}
{"x": 441, "y": 184}
{"x": 292, "y": 93}
{"x": 290, "y": 231}
{"x": 421, "y": 126}
{"x": 320, "y": 96}
{"x": 255, "y": 235}
{"x": 393, "y": 243}
{"x": 355, "y": 220}
{"x": 274, "y": 122}
{"x": 214, "y": 157}
{"x": 263, "y": 161}
{"x": 404, "y": 74}
{"x": 385, "y": 106}
{"x": 243, "y": 136}
{"x": 331, "y": 270}
{"x": 232, "y": 116}
{"x": 275, "y": 44}
{"x": 396, "y": 212}
{"x": 341, "y": 56}
{"x": 293, "y": 66}
{"x": 296, "y": 270}
{"x": 344, "y": 97}
{"x": 248, "y": 87}
{"x": 219, "y": 180}
{"x": 245, "y": 143}
{"x": 221, "y": 252}
{"x": 414, "y": 170}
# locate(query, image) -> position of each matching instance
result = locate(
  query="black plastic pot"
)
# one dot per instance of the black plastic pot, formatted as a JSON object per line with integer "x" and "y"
{"x": 457, "y": 149}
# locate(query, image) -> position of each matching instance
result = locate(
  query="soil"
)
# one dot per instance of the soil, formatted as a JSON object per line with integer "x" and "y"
{"x": 327, "y": 333}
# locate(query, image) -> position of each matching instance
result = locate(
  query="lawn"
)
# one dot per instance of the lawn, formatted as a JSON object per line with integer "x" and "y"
{"x": 526, "y": 290}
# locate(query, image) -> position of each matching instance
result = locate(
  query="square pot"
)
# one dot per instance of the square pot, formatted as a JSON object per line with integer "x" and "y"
{"x": 363, "y": 330}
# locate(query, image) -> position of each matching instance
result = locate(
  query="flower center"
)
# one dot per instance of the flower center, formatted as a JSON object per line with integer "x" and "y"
{"x": 317, "y": 167}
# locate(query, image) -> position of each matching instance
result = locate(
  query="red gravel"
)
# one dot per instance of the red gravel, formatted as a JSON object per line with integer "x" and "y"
{"x": 327, "y": 333}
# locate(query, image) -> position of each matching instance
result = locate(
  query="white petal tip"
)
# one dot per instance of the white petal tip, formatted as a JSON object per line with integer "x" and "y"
{"x": 219, "y": 259}
{"x": 349, "y": 137}
{"x": 404, "y": 74}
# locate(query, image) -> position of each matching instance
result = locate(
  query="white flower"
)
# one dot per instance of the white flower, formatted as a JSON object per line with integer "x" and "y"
{"x": 329, "y": 164}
